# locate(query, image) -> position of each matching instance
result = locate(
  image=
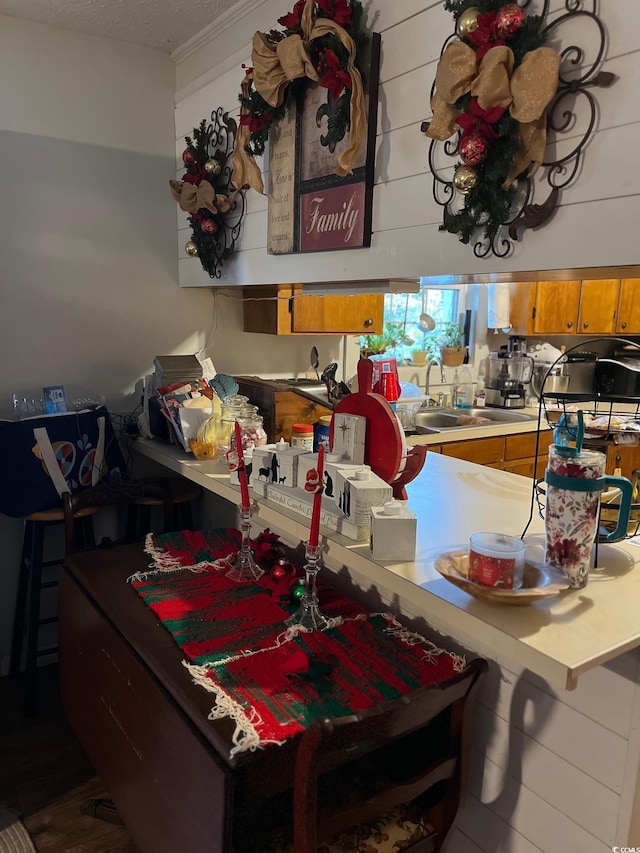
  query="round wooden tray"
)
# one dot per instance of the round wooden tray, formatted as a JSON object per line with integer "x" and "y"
{"x": 540, "y": 581}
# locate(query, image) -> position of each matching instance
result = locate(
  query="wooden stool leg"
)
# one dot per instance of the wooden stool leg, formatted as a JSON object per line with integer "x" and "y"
{"x": 33, "y": 618}
{"x": 185, "y": 515}
{"x": 21, "y": 599}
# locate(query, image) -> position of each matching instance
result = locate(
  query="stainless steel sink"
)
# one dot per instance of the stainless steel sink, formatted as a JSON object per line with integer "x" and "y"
{"x": 441, "y": 420}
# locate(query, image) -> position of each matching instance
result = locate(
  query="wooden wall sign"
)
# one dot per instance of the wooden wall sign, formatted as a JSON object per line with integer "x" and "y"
{"x": 310, "y": 208}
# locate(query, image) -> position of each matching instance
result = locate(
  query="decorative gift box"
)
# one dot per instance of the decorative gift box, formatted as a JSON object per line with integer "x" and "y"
{"x": 355, "y": 492}
{"x": 275, "y": 464}
{"x": 393, "y": 533}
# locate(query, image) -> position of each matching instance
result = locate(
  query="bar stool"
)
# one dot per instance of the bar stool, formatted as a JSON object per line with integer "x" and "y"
{"x": 27, "y": 619}
{"x": 183, "y": 495}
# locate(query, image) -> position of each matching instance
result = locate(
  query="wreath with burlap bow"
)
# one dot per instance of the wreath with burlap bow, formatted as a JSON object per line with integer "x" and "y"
{"x": 493, "y": 86}
{"x": 215, "y": 207}
{"x": 319, "y": 42}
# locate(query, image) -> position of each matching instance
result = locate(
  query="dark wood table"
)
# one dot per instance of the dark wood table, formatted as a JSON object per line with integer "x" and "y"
{"x": 143, "y": 722}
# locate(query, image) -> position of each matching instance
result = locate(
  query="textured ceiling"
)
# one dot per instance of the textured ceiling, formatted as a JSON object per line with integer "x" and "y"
{"x": 160, "y": 24}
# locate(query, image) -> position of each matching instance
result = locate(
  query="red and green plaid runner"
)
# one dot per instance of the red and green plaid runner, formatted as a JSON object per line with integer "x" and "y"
{"x": 273, "y": 680}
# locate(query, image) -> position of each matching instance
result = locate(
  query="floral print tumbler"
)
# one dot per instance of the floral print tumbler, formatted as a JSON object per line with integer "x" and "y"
{"x": 571, "y": 516}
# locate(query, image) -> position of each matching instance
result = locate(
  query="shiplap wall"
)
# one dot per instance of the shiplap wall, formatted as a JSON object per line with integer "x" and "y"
{"x": 406, "y": 240}
{"x": 550, "y": 771}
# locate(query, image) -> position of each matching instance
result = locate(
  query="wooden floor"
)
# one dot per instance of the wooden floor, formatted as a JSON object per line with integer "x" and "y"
{"x": 46, "y": 776}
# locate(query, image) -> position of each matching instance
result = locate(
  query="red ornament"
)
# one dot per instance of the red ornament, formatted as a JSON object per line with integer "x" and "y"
{"x": 208, "y": 226}
{"x": 474, "y": 147}
{"x": 278, "y": 572}
{"x": 188, "y": 156}
{"x": 509, "y": 20}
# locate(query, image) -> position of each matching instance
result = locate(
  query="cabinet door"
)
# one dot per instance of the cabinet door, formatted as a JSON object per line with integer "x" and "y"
{"x": 556, "y": 308}
{"x": 484, "y": 451}
{"x": 628, "y": 321}
{"x": 598, "y": 306}
{"x": 522, "y": 308}
{"x": 283, "y": 310}
{"x": 344, "y": 315}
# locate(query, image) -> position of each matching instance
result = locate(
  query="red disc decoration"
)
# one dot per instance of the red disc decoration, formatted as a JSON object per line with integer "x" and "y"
{"x": 473, "y": 148}
{"x": 208, "y": 226}
{"x": 509, "y": 20}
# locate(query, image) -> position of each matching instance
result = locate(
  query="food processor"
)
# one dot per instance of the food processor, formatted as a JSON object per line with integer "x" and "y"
{"x": 509, "y": 371}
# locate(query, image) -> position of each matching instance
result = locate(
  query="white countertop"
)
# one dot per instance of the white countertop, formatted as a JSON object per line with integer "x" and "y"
{"x": 557, "y": 638}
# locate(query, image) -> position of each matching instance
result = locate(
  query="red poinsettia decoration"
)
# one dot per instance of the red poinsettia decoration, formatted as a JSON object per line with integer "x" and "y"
{"x": 479, "y": 121}
{"x": 485, "y": 36}
{"x": 332, "y": 75}
{"x": 195, "y": 175}
{"x": 265, "y": 548}
{"x": 338, "y": 10}
{"x": 256, "y": 122}
{"x": 291, "y": 21}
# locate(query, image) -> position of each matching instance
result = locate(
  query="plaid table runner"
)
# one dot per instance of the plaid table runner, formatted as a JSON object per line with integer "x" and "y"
{"x": 272, "y": 680}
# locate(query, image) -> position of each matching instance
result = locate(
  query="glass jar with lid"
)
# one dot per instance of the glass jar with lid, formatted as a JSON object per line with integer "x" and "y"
{"x": 251, "y": 429}
{"x": 232, "y": 408}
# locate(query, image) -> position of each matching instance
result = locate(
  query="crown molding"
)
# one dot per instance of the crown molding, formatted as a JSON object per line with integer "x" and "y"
{"x": 227, "y": 19}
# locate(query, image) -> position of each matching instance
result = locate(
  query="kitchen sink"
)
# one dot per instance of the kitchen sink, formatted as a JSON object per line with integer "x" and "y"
{"x": 440, "y": 420}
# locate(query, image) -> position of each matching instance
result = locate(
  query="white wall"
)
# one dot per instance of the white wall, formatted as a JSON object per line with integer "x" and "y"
{"x": 87, "y": 227}
{"x": 406, "y": 240}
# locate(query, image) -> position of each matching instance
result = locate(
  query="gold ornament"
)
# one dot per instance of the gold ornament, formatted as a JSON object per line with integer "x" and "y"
{"x": 467, "y": 22}
{"x": 465, "y": 179}
{"x": 191, "y": 249}
{"x": 213, "y": 167}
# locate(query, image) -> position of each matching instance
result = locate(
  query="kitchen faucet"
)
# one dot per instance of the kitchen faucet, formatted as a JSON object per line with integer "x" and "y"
{"x": 443, "y": 379}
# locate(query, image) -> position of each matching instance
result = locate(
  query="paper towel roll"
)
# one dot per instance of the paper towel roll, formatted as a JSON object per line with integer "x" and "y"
{"x": 498, "y": 307}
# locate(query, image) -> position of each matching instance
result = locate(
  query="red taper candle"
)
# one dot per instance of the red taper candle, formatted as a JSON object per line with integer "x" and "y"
{"x": 245, "y": 503}
{"x": 317, "y": 500}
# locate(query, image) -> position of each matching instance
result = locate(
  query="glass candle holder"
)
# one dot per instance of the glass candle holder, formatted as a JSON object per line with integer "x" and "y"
{"x": 243, "y": 564}
{"x": 308, "y": 615}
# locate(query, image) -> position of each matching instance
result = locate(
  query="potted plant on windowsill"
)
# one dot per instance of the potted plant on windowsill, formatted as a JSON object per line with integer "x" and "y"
{"x": 393, "y": 336}
{"x": 451, "y": 342}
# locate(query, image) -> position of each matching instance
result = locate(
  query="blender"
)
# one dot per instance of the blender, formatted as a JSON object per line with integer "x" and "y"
{"x": 510, "y": 370}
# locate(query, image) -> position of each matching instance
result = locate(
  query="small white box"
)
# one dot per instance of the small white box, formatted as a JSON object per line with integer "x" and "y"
{"x": 355, "y": 492}
{"x": 248, "y": 464}
{"x": 393, "y": 533}
{"x": 277, "y": 465}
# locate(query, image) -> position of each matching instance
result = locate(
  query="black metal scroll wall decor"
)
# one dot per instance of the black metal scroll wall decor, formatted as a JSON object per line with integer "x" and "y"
{"x": 507, "y": 105}
{"x": 215, "y": 207}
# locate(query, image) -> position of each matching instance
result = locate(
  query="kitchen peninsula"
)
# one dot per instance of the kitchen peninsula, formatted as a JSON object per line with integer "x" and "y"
{"x": 568, "y": 758}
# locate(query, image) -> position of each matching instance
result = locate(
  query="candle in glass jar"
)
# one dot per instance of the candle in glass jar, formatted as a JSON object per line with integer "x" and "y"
{"x": 242, "y": 471}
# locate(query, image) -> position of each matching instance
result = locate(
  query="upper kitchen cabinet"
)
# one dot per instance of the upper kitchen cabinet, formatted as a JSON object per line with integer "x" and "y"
{"x": 628, "y": 319}
{"x": 587, "y": 307}
{"x": 545, "y": 307}
{"x": 284, "y": 310}
{"x": 598, "y": 306}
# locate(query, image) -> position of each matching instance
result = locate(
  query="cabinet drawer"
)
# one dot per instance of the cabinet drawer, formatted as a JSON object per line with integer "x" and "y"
{"x": 481, "y": 450}
{"x": 521, "y": 446}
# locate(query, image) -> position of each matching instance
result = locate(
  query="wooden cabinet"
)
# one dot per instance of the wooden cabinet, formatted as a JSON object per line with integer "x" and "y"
{"x": 628, "y": 318}
{"x": 279, "y": 406}
{"x": 484, "y": 451}
{"x": 605, "y": 306}
{"x": 598, "y": 306}
{"x": 520, "y": 453}
{"x": 284, "y": 310}
{"x": 556, "y": 307}
{"x": 514, "y": 453}
{"x": 545, "y": 307}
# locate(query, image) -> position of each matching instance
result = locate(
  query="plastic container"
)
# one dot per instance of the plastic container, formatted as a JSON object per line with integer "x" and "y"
{"x": 496, "y": 560}
{"x": 321, "y": 433}
{"x": 463, "y": 393}
{"x": 302, "y": 436}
